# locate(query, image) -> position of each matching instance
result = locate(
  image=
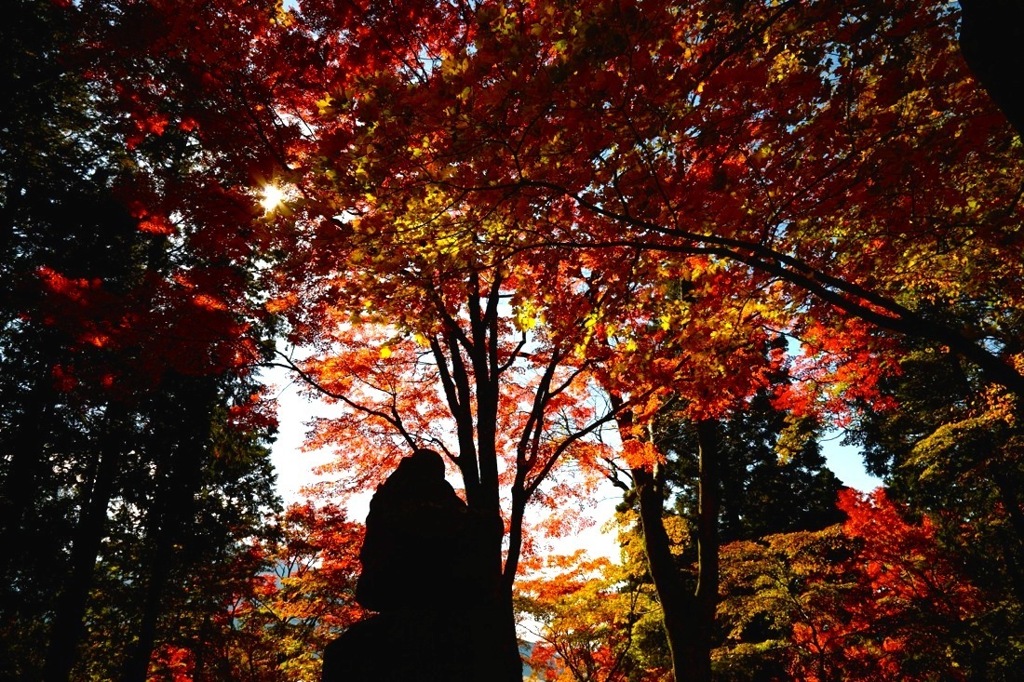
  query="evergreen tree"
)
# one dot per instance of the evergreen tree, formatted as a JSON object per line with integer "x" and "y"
{"x": 767, "y": 486}
{"x": 125, "y": 470}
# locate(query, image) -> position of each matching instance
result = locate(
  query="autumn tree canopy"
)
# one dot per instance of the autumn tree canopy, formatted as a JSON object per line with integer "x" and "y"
{"x": 490, "y": 228}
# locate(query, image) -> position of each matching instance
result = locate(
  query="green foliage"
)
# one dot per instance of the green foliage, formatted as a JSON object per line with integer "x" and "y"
{"x": 773, "y": 475}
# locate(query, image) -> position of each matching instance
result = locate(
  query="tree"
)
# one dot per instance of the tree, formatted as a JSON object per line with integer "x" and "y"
{"x": 756, "y": 472}
{"x": 123, "y": 380}
{"x": 277, "y": 626}
{"x": 589, "y": 619}
{"x": 449, "y": 362}
{"x": 681, "y": 157}
{"x": 679, "y": 151}
{"x": 988, "y": 31}
{"x": 906, "y": 599}
{"x": 138, "y": 573}
{"x": 873, "y": 598}
{"x": 948, "y": 450}
{"x": 772, "y": 473}
{"x": 169, "y": 576}
{"x": 498, "y": 151}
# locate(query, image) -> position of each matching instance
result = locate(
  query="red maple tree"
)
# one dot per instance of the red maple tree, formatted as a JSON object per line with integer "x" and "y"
{"x": 898, "y": 601}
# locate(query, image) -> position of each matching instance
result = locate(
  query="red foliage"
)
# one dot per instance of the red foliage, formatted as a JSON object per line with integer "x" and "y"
{"x": 281, "y": 620}
{"x": 772, "y": 157}
{"x": 891, "y": 608}
{"x": 520, "y": 201}
{"x": 126, "y": 342}
{"x": 171, "y": 664}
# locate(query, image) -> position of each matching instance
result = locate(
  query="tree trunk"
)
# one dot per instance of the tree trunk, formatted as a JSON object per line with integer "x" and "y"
{"x": 68, "y": 626}
{"x": 494, "y": 645}
{"x": 141, "y": 651}
{"x": 991, "y": 33}
{"x": 28, "y": 462}
{"x": 1009, "y": 496}
{"x": 508, "y": 663}
{"x": 709, "y": 502}
{"x": 688, "y": 616}
{"x": 676, "y": 602}
{"x": 494, "y": 649}
{"x": 188, "y": 438}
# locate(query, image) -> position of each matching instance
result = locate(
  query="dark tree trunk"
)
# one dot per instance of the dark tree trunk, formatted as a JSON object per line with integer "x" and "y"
{"x": 676, "y": 602}
{"x": 141, "y": 651}
{"x": 494, "y": 647}
{"x": 689, "y": 615}
{"x": 68, "y": 626}
{"x": 1009, "y": 496}
{"x": 496, "y": 650}
{"x": 188, "y": 438}
{"x": 709, "y": 502}
{"x": 23, "y": 477}
{"x": 471, "y": 382}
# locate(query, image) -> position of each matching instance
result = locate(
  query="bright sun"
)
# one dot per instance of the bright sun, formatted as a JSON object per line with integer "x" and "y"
{"x": 273, "y": 196}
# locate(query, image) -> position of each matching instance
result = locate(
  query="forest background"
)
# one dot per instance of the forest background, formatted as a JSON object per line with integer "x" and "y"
{"x": 663, "y": 247}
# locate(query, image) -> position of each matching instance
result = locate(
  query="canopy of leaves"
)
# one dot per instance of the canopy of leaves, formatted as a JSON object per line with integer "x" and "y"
{"x": 491, "y": 213}
{"x": 876, "y": 598}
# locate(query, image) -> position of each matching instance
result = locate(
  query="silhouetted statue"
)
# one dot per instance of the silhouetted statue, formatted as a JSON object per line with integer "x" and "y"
{"x": 421, "y": 573}
{"x": 413, "y": 554}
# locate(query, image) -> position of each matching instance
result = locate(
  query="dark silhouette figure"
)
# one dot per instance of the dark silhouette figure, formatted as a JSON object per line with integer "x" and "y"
{"x": 420, "y": 573}
{"x": 991, "y": 34}
{"x": 413, "y": 556}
